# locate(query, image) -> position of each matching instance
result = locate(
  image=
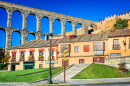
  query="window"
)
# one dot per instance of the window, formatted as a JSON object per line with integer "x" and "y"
{"x": 52, "y": 52}
{"x": 13, "y": 54}
{"x": 98, "y": 48}
{"x": 81, "y": 61}
{"x": 116, "y": 44}
{"x": 77, "y": 49}
{"x": 86, "y": 48}
{"x": 31, "y": 53}
{"x": 41, "y": 53}
{"x": 22, "y": 54}
{"x": 113, "y": 55}
{"x": 40, "y": 65}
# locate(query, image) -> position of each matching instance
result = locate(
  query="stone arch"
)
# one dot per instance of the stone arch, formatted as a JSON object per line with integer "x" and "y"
{"x": 17, "y": 17}
{"x": 43, "y": 37}
{"x": 3, "y": 29}
{"x": 31, "y": 36}
{"x": 45, "y": 24}
{"x": 31, "y": 26}
{"x": 2, "y": 37}
{"x": 57, "y": 26}
{"x": 16, "y": 38}
{"x": 68, "y": 27}
{"x": 16, "y": 30}
{"x": 3, "y": 17}
{"x": 78, "y": 25}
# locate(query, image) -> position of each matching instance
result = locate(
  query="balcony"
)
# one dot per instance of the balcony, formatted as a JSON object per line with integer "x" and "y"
{"x": 51, "y": 58}
{"x": 41, "y": 58}
{"x": 116, "y": 47}
{"x": 13, "y": 59}
{"x": 21, "y": 59}
{"x": 31, "y": 58}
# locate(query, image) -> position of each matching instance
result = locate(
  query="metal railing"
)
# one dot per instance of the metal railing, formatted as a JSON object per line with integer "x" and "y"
{"x": 116, "y": 47}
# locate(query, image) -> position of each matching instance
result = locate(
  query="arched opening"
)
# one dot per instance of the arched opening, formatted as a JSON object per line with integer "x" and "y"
{"x": 3, "y": 17}
{"x": 17, "y": 20}
{"x": 16, "y": 38}
{"x": 30, "y": 37}
{"x": 2, "y": 38}
{"x": 90, "y": 29}
{"x": 78, "y": 26}
{"x": 57, "y": 27}
{"x": 45, "y": 25}
{"x": 43, "y": 37}
{"x": 68, "y": 28}
{"x": 31, "y": 22}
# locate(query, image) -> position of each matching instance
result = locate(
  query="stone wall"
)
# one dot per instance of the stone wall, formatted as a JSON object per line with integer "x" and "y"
{"x": 115, "y": 61}
{"x": 110, "y": 21}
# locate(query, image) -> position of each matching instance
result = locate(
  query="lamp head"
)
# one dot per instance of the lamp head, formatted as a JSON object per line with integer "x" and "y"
{"x": 124, "y": 42}
{"x": 50, "y": 35}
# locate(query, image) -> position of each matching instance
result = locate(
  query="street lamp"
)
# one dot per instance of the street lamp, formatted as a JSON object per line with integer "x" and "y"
{"x": 49, "y": 76}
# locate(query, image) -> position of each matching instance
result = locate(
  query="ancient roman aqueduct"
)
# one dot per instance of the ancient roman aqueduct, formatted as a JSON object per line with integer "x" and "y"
{"x": 25, "y": 11}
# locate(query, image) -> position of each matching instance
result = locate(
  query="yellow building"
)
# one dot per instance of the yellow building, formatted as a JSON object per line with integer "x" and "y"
{"x": 119, "y": 43}
{"x": 84, "y": 48}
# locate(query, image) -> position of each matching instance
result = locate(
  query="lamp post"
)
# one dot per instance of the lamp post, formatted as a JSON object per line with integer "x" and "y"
{"x": 49, "y": 76}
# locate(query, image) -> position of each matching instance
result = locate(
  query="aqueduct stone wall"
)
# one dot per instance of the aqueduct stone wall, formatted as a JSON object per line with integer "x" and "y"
{"x": 25, "y": 11}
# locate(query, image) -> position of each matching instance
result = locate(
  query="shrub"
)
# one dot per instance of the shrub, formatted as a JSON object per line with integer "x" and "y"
{"x": 30, "y": 56}
{"x": 121, "y": 24}
{"x": 12, "y": 57}
{"x": 21, "y": 56}
{"x": 40, "y": 56}
{"x": 2, "y": 66}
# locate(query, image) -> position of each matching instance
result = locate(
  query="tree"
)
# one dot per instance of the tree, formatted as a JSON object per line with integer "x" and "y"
{"x": 5, "y": 59}
{"x": 1, "y": 53}
{"x": 121, "y": 24}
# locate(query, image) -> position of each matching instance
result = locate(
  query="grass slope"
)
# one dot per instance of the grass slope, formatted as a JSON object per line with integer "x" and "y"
{"x": 12, "y": 75}
{"x": 101, "y": 71}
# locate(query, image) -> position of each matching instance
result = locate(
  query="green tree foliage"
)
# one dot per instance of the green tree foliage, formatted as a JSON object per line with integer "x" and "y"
{"x": 1, "y": 54}
{"x": 121, "y": 24}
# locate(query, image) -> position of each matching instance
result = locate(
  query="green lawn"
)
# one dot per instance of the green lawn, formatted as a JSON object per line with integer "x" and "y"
{"x": 12, "y": 75}
{"x": 101, "y": 71}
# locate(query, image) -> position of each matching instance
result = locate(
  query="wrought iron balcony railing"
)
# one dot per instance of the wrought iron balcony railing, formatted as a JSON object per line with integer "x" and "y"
{"x": 116, "y": 47}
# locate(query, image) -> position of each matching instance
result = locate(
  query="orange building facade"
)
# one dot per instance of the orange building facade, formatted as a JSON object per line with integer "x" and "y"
{"x": 84, "y": 49}
{"x": 119, "y": 43}
{"x": 80, "y": 49}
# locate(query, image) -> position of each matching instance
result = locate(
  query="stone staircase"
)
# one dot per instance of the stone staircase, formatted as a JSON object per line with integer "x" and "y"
{"x": 70, "y": 72}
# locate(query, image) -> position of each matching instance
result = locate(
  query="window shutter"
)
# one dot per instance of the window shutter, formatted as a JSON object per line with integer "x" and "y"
{"x": 86, "y": 48}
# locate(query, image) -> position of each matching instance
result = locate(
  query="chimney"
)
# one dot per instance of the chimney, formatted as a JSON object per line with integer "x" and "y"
{"x": 128, "y": 23}
{"x": 46, "y": 37}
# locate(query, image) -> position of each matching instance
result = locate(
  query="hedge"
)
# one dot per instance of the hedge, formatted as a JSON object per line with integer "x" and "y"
{"x": 2, "y": 66}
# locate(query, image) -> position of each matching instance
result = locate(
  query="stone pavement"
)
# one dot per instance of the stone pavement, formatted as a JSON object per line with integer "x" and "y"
{"x": 70, "y": 72}
{"x": 72, "y": 82}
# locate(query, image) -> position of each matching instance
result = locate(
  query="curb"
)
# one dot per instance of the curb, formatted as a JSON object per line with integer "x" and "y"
{"x": 87, "y": 83}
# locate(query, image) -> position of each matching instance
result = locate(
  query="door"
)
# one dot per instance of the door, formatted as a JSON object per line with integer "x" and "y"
{"x": 12, "y": 67}
{"x": 101, "y": 60}
{"x": 81, "y": 61}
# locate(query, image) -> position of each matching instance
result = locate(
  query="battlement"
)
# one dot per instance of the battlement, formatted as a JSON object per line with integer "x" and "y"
{"x": 111, "y": 20}
{"x": 122, "y": 16}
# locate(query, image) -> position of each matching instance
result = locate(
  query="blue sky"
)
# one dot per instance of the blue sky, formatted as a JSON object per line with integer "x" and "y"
{"x": 94, "y": 10}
